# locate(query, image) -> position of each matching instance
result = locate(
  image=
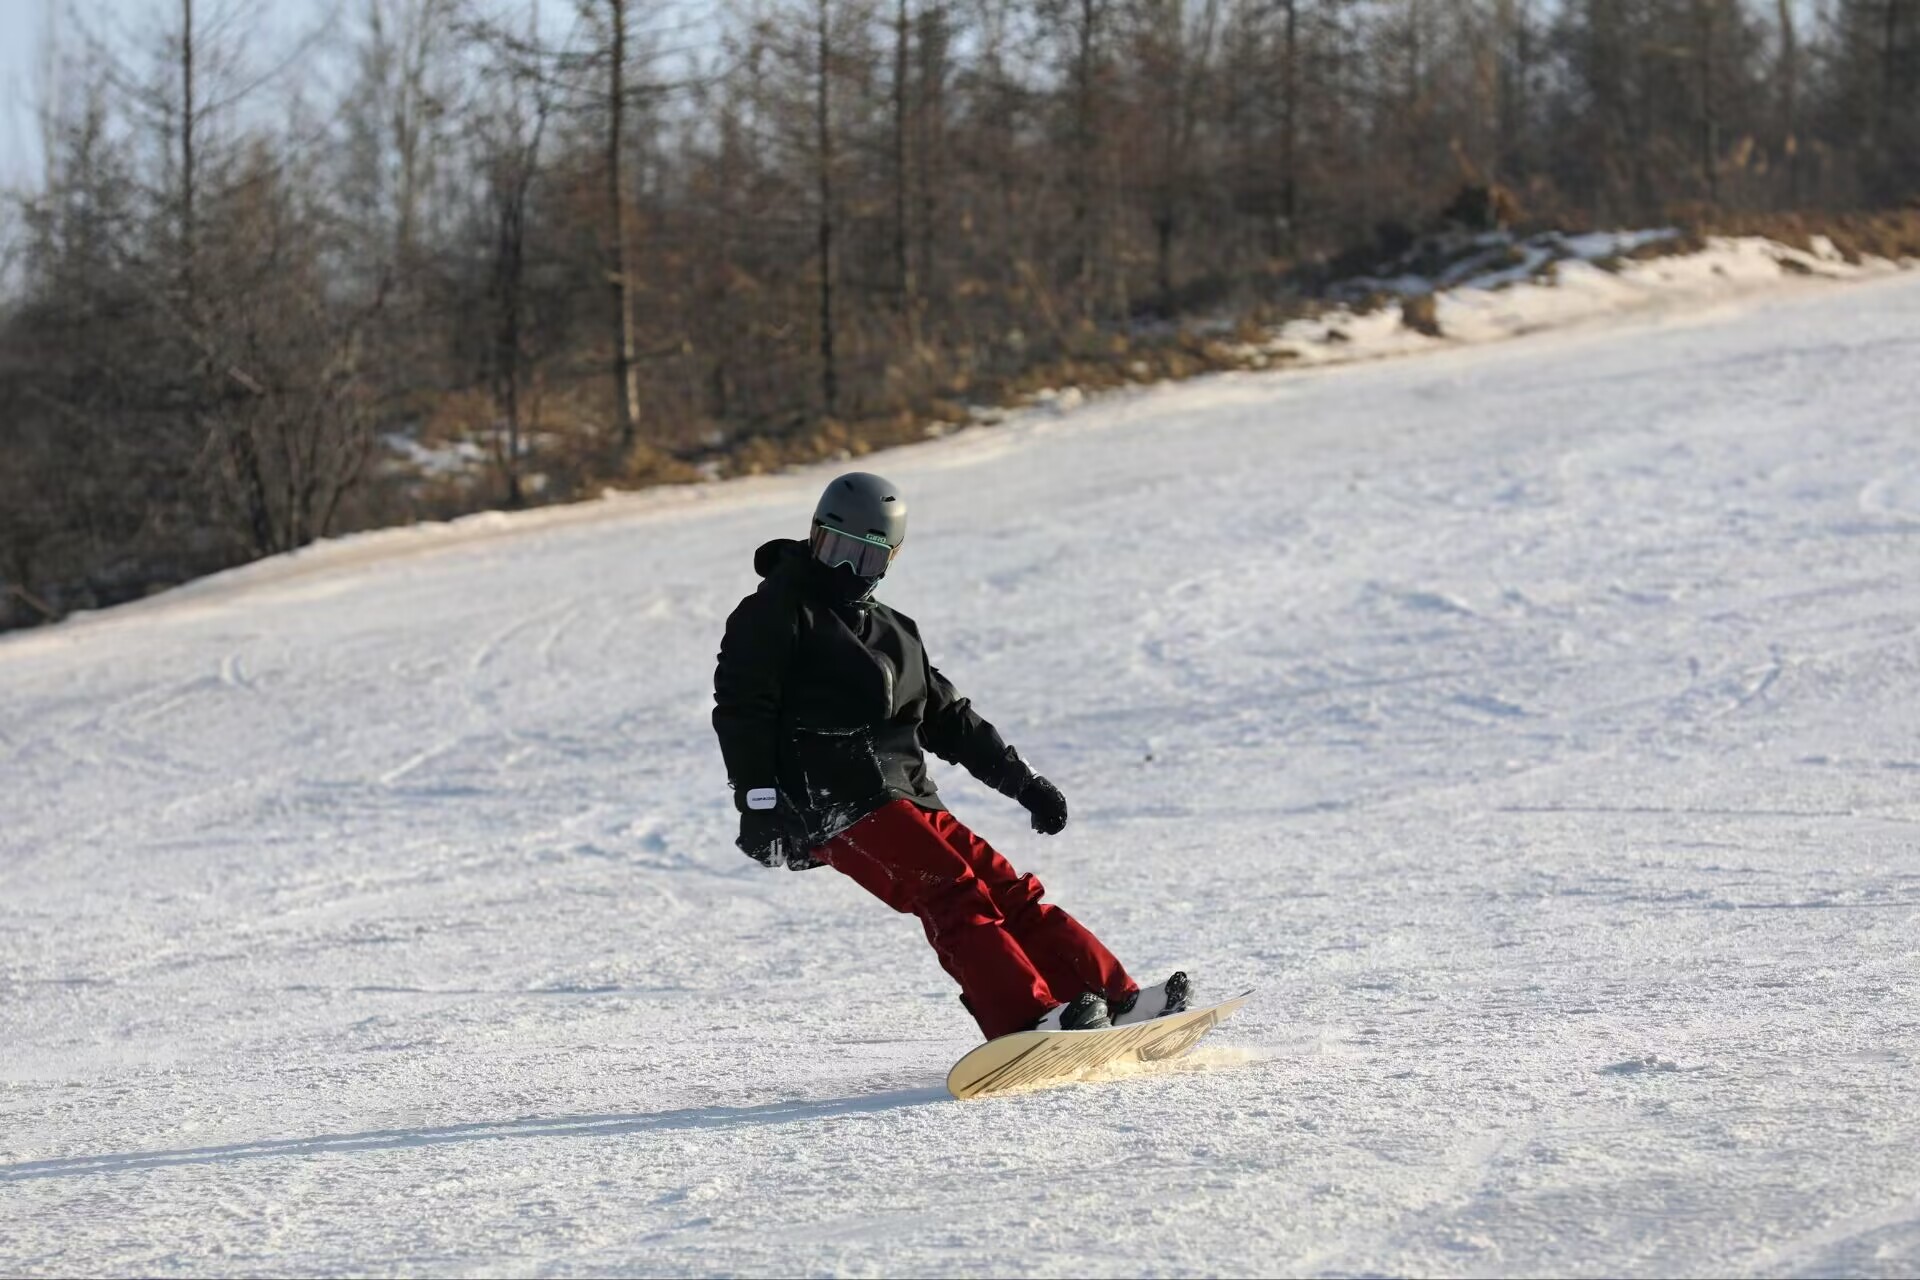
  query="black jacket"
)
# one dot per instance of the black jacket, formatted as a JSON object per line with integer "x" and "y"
{"x": 832, "y": 702}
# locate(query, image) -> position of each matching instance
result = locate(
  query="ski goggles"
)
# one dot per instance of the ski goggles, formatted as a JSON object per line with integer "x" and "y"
{"x": 867, "y": 557}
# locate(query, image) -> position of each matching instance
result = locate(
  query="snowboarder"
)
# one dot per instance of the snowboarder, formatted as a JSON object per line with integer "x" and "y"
{"x": 823, "y": 701}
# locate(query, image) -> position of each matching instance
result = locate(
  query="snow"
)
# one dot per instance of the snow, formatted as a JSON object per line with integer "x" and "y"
{"x": 1558, "y": 284}
{"x": 1497, "y": 259}
{"x": 446, "y": 459}
{"x": 1532, "y": 724}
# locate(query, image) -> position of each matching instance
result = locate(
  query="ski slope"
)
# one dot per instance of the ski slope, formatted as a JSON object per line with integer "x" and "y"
{"x": 1533, "y": 725}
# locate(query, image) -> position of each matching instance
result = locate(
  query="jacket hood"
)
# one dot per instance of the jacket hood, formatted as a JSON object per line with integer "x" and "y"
{"x": 772, "y": 555}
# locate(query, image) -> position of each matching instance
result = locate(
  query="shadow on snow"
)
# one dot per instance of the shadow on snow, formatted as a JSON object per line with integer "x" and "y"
{"x": 770, "y": 1113}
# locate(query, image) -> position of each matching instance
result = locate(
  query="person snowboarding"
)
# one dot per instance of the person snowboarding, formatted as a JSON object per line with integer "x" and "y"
{"x": 824, "y": 699}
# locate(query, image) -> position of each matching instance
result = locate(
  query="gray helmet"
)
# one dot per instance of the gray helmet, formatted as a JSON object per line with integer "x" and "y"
{"x": 864, "y": 505}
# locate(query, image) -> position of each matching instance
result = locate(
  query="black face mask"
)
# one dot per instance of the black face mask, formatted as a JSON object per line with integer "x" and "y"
{"x": 841, "y": 584}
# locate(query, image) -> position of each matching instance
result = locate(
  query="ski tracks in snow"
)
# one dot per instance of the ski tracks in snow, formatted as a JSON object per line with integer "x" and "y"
{"x": 1531, "y": 726}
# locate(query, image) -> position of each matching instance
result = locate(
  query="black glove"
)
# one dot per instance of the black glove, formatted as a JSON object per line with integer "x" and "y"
{"x": 775, "y": 838}
{"x": 1043, "y": 800}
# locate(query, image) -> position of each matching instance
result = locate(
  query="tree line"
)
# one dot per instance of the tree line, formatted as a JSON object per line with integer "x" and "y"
{"x": 434, "y": 255}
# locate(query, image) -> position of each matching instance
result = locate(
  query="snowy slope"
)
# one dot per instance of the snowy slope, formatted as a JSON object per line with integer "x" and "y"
{"x": 1533, "y": 724}
{"x": 1561, "y": 283}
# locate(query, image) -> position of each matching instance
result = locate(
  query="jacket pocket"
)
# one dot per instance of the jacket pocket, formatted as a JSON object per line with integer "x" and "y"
{"x": 836, "y": 767}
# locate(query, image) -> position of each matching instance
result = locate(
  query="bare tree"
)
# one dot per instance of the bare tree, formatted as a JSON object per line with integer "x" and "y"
{"x": 1789, "y": 77}
{"x": 823, "y": 150}
{"x": 1082, "y": 24}
{"x": 905, "y": 286}
{"x": 1706, "y": 17}
{"x": 510, "y": 128}
{"x": 626, "y": 371}
{"x": 933, "y": 49}
{"x": 807, "y": 223}
{"x": 1290, "y": 120}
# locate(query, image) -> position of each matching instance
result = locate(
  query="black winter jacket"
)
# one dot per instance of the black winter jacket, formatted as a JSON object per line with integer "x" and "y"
{"x": 832, "y": 702}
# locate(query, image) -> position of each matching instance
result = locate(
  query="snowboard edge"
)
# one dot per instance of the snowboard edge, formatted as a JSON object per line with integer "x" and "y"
{"x": 1025, "y": 1059}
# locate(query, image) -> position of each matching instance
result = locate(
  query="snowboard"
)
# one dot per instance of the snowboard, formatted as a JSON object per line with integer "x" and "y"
{"x": 1029, "y": 1058}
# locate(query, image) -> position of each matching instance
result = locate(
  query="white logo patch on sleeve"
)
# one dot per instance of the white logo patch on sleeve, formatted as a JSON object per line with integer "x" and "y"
{"x": 762, "y": 798}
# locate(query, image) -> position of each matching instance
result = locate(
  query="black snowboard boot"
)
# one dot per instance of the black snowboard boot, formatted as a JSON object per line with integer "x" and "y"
{"x": 1151, "y": 1002}
{"x": 1085, "y": 1012}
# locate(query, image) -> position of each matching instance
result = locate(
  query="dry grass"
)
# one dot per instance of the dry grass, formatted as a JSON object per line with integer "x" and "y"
{"x": 1097, "y": 360}
{"x": 1892, "y": 234}
{"x": 1092, "y": 361}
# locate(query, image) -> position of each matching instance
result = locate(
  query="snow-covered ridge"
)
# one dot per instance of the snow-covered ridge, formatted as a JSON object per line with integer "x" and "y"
{"x": 1553, "y": 282}
{"x": 1495, "y": 259}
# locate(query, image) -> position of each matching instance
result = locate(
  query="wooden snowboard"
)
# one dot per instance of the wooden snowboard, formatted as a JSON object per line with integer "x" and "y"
{"x": 1028, "y": 1058}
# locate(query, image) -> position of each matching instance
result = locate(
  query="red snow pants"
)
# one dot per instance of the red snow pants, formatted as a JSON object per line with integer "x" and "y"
{"x": 1014, "y": 956}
